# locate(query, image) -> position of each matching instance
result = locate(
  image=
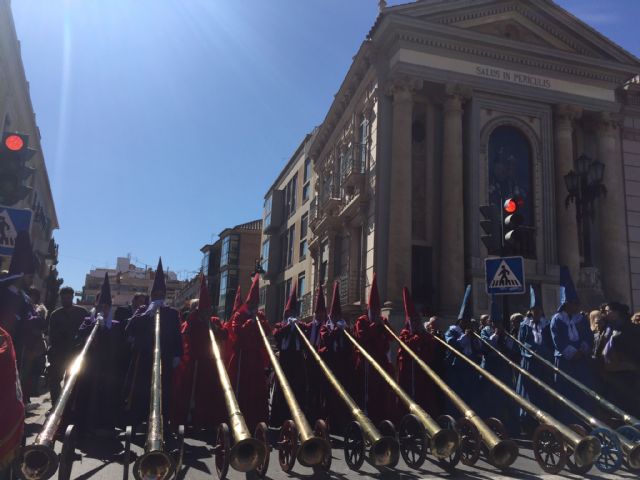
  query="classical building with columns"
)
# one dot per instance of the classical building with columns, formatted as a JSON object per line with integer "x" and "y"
{"x": 449, "y": 105}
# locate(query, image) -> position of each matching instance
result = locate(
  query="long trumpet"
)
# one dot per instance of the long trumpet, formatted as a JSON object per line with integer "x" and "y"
{"x": 39, "y": 460}
{"x": 502, "y": 452}
{"x": 384, "y": 450}
{"x": 631, "y": 449}
{"x": 628, "y": 419}
{"x": 247, "y": 453}
{"x": 586, "y": 449}
{"x": 443, "y": 441}
{"x": 313, "y": 449}
{"x": 155, "y": 462}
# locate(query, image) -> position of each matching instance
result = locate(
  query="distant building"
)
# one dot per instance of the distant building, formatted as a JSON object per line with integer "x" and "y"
{"x": 126, "y": 280}
{"x": 190, "y": 291}
{"x": 286, "y": 236}
{"x": 17, "y": 116}
{"x": 229, "y": 262}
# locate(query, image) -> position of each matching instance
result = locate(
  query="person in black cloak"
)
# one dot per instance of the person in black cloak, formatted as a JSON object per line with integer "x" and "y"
{"x": 96, "y": 407}
{"x": 140, "y": 332}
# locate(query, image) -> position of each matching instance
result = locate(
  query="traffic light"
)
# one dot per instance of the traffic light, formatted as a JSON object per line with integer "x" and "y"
{"x": 513, "y": 233}
{"x": 14, "y": 153}
{"x": 492, "y": 226}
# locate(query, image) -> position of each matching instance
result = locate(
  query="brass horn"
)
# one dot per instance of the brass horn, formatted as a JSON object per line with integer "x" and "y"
{"x": 502, "y": 452}
{"x": 604, "y": 403}
{"x": 632, "y": 450}
{"x": 247, "y": 453}
{"x": 444, "y": 441}
{"x": 39, "y": 461}
{"x": 155, "y": 462}
{"x": 384, "y": 450}
{"x": 313, "y": 449}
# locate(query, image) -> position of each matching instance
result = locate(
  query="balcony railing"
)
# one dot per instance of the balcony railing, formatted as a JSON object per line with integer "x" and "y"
{"x": 330, "y": 194}
{"x": 353, "y": 164}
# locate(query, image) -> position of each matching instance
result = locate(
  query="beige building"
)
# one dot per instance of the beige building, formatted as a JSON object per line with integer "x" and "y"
{"x": 17, "y": 115}
{"x": 126, "y": 280}
{"x": 449, "y": 105}
{"x": 286, "y": 236}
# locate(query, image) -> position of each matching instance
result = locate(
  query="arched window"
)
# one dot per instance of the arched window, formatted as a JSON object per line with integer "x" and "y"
{"x": 510, "y": 171}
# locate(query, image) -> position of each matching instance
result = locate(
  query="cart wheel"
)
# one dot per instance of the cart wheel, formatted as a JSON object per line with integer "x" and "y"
{"x": 469, "y": 441}
{"x": 67, "y": 454}
{"x": 548, "y": 448}
{"x": 611, "y": 457}
{"x": 387, "y": 429}
{"x": 222, "y": 450}
{"x": 413, "y": 441}
{"x": 321, "y": 430}
{"x": 496, "y": 426}
{"x": 262, "y": 435}
{"x": 573, "y": 468}
{"x": 287, "y": 446}
{"x": 449, "y": 464}
{"x": 354, "y": 446}
{"x": 126, "y": 458}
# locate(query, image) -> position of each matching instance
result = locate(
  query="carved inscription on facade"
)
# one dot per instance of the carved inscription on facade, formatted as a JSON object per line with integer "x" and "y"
{"x": 511, "y": 76}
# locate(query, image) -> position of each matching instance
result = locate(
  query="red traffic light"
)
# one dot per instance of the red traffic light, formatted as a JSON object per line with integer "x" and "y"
{"x": 14, "y": 142}
{"x": 510, "y": 206}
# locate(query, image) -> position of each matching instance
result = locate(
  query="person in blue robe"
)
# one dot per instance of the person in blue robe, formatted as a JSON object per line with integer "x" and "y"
{"x": 535, "y": 334}
{"x": 460, "y": 376}
{"x": 573, "y": 344}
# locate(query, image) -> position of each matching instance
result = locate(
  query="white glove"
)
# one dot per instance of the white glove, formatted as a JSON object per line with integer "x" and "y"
{"x": 175, "y": 362}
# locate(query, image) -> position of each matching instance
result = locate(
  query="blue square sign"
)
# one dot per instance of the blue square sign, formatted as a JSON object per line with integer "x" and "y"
{"x": 504, "y": 275}
{"x": 12, "y": 221}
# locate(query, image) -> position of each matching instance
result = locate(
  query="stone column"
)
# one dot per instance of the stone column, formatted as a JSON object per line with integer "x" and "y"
{"x": 451, "y": 284}
{"x": 613, "y": 224}
{"x": 566, "y": 224}
{"x": 400, "y": 236}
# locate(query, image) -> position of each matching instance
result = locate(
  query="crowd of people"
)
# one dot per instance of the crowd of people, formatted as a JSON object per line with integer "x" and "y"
{"x": 598, "y": 348}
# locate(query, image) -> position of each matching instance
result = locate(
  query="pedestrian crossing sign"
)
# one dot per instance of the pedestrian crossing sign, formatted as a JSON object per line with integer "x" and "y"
{"x": 504, "y": 275}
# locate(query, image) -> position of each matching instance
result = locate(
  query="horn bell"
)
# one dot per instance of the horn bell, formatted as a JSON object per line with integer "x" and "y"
{"x": 313, "y": 451}
{"x": 504, "y": 453}
{"x": 246, "y": 455}
{"x": 38, "y": 462}
{"x": 156, "y": 465}
{"x": 445, "y": 442}
{"x": 384, "y": 451}
{"x": 586, "y": 451}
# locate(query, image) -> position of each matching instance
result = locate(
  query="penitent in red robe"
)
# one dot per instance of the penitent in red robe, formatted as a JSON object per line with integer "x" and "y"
{"x": 374, "y": 395}
{"x": 412, "y": 378}
{"x": 247, "y": 367}
{"x": 11, "y": 406}
{"x": 197, "y": 394}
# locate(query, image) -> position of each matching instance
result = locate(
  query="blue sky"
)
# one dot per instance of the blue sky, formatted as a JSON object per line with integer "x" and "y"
{"x": 164, "y": 122}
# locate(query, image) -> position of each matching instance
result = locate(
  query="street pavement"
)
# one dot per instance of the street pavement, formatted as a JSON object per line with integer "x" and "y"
{"x": 98, "y": 460}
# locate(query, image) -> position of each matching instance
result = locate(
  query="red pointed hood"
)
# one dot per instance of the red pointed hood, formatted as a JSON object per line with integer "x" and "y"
{"x": 409, "y": 308}
{"x": 204, "y": 301}
{"x": 335, "y": 313}
{"x": 237, "y": 302}
{"x": 374, "y": 309}
{"x": 253, "y": 298}
{"x": 321, "y": 307}
{"x": 291, "y": 310}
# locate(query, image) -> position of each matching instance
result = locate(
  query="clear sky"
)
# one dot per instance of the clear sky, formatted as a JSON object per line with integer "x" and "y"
{"x": 165, "y": 121}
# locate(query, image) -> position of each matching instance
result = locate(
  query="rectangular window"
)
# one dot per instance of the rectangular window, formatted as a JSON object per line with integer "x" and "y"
{"x": 363, "y": 138}
{"x": 324, "y": 261}
{"x": 304, "y": 249}
{"x": 307, "y": 170}
{"x": 265, "y": 255}
{"x": 222, "y": 293}
{"x": 205, "y": 263}
{"x": 301, "y": 285}
{"x": 290, "y": 192}
{"x": 290, "y": 242}
{"x": 266, "y": 213}
{"x": 306, "y": 191}
{"x": 287, "y": 290}
{"x": 304, "y": 225}
{"x": 230, "y": 250}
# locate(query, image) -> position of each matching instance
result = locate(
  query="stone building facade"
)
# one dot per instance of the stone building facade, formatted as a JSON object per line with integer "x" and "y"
{"x": 286, "y": 236}
{"x": 449, "y": 105}
{"x": 17, "y": 116}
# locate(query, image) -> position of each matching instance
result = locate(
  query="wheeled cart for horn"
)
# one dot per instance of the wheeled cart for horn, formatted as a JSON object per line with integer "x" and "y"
{"x": 474, "y": 433}
{"x": 39, "y": 460}
{"x": 360, "y": 435}
{"x": 234, "y": 445}
{"x": 296, "y": 440}
{"x": 155, "y": 462}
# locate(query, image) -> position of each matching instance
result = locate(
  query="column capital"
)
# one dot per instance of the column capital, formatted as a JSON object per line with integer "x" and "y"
{"x": 402, "y": 87}
{"x": 457, "y": 90}
{"x": 568, "y": 113}
{"x": 607, "y": 122}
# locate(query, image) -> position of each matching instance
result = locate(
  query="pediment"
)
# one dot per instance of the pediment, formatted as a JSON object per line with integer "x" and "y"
{"x": 530, "y": 22}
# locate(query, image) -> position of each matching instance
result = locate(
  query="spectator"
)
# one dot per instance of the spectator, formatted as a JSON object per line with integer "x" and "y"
{"x": 636, "y": 318}
{"x": 33, "y": 356}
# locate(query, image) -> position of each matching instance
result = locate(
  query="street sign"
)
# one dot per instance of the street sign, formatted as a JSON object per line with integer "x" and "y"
{"x": 12, "y": 221}
{"x": 504, "y": 275}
